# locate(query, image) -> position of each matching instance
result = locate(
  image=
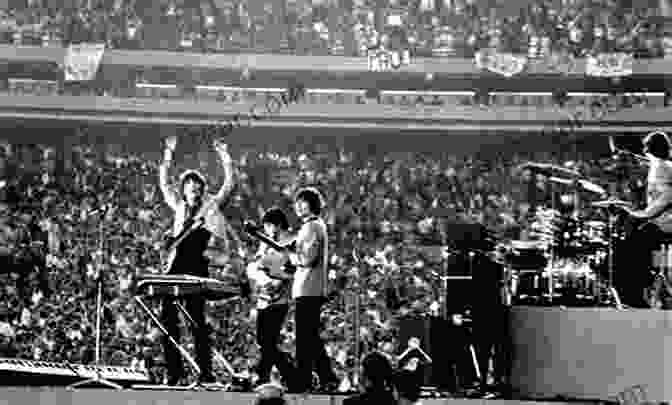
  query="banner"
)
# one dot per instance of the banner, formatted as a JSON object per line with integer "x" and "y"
{"x": 609, "y": 65}
{"x": 382, "y": 60}
{"x": 505, "y": 64}
{"x": 82, "y": 61}
{"x": 559, "y": 62}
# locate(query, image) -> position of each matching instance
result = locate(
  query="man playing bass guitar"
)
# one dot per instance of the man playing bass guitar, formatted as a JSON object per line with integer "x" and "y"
{"x": 634, "y": 277}
{"x": 271, "y": 276}
{"x": 186, "y": 253}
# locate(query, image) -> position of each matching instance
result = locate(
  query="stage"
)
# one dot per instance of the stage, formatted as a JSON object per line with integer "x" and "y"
{"x": 560, "y": 356}
{"x": 61, "y": 396}
{"x": 591, "y": 353}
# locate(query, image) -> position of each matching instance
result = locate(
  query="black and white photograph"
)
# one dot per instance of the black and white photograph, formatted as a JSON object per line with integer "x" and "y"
{"x": 274, "y": 202}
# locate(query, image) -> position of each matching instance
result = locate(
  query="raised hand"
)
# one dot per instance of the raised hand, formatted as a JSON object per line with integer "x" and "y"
{"x": 220, "y": 146}
{"x": 222, "y": 149}
{"x": 171, "y": 143}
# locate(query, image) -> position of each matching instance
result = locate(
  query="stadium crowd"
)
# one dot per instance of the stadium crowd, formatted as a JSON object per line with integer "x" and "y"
{"x": 536, "y": 28}
{"x": 56, "y": 207}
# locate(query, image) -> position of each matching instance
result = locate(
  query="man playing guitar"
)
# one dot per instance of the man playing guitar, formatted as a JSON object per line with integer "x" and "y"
{"x": 632, "y": 280}
{"x": 309, "y": 253}
{"x": 271, "y": 278}
{"x": 189, "y": 242}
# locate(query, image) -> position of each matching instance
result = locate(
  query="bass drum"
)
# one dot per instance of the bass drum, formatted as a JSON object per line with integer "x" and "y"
{"x": 526, "y": 255}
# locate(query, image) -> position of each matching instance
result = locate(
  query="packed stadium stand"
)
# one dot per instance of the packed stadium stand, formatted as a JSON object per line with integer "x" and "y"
{"x": 427, "y": 28}
{"x": 392, "y": 148}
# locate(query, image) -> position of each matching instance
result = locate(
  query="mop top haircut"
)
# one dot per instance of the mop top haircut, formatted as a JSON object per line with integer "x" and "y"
{"x": 313, "y": 197}
{"x": 195, "y": 176}
{"x": 658, "y": 144}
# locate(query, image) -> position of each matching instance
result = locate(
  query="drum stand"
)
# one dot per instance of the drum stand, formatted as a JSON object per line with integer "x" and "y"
{"x": 611, "y": 290}
{"x": 552, "y": 253}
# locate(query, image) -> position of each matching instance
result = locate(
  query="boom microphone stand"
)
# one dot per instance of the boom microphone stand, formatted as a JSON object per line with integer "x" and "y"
{"x": 99, "y": 379}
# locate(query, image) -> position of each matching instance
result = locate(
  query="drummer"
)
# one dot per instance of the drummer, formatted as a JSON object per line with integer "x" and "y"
{"x": 633, "y": 274}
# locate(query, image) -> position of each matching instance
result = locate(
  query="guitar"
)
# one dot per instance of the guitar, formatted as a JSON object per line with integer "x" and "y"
{"x": 256, "y": 232}
{"x": 276, "y": 267}
{"x": 172, "y": 243}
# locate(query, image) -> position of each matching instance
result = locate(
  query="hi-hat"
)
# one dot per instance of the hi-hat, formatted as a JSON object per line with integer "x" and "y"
{"x": 581, "y": 183}
{"x": 589, "y": 186}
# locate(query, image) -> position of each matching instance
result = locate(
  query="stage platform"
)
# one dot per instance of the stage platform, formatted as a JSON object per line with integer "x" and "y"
{"x": 62, "y": 396}
{"x": 591, "y": 353}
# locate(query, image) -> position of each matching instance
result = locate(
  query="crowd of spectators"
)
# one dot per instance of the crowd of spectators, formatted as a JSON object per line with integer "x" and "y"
{"x": 384, "y": 204}
{"x": 536, "y": 28}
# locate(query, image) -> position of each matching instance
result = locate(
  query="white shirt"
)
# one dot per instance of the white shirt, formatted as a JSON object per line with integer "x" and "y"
{"x": 659, "y": 193}
{"x": 310, "y": 279}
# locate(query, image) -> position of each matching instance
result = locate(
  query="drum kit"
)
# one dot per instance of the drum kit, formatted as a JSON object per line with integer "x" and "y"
{"x": 567, "y": 258}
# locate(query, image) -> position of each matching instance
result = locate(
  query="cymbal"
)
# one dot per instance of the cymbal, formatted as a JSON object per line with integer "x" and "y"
{"x": 589, "y": 186}
{"x": 596, "y": 224}
{"x": 580, "y": 183}
{"x": 548, "y": 169}
{"x": 611, "y": 203}
{"x": 526, "y": 245}
{"x": 559, "y": 180}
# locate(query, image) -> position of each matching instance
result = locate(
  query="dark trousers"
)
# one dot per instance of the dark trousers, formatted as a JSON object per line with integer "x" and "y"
{"x": 269, "y": 324}
{"x": 310, "y": 352}
{"x": 452, "y": 367}
{"x": 195, "y": 306}
{"x": 492, "y": 341}
{"x": 633, "y": 261}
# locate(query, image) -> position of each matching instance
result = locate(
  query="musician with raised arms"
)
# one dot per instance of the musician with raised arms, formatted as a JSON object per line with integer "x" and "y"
{"x": 190, "y": 239}
{"x": 634, "y": 277}
{"x": 272, "y": 278}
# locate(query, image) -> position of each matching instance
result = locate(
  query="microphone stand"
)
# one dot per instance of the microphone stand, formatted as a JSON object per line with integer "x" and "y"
{"x": 356, "y": 317}
{"x": 98, "y": 379}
